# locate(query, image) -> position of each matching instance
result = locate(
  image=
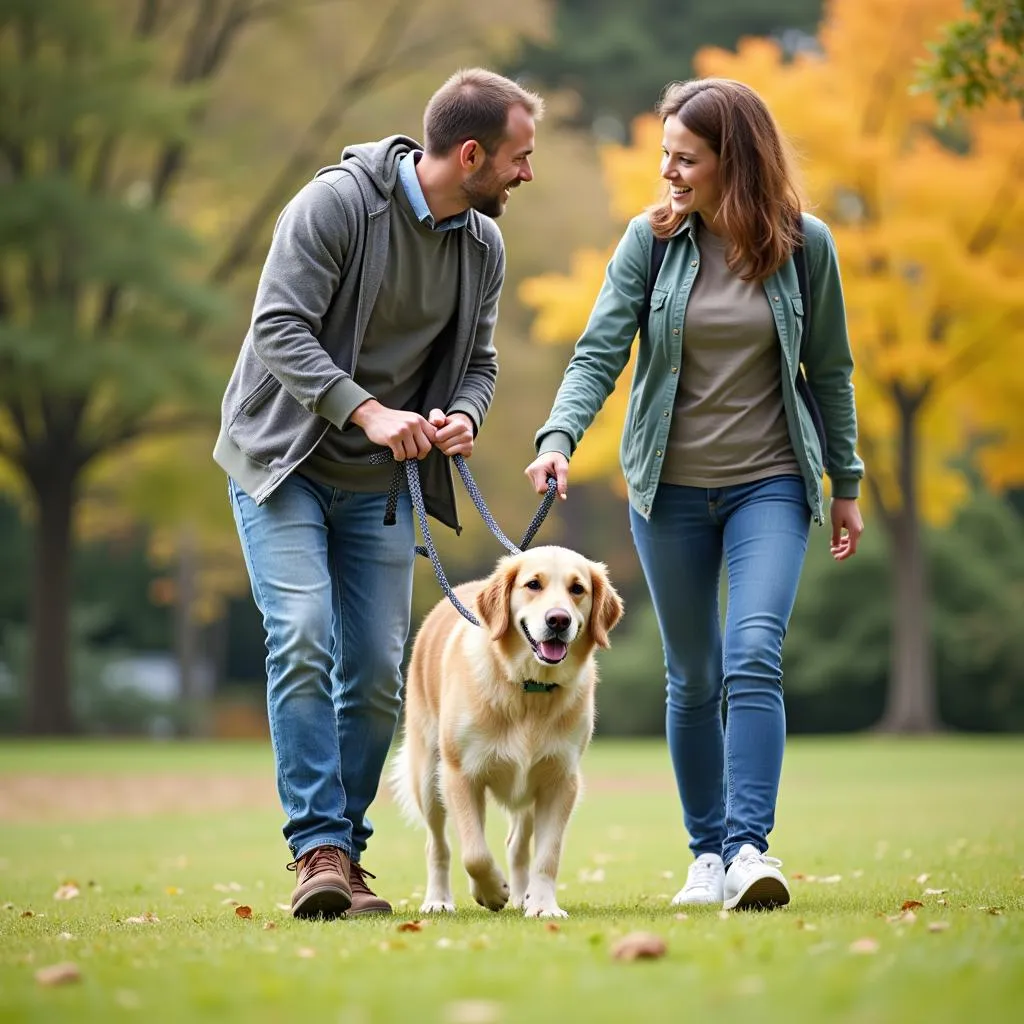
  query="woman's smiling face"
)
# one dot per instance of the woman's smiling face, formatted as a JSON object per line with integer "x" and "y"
{"x": 690, "y": 166}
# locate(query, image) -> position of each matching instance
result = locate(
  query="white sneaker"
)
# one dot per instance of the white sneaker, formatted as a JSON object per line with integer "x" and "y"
{"x": 754, "y": 882}
{"x": 705, "y": 881}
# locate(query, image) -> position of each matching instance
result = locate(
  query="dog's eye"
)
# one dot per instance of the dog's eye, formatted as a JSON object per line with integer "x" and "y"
{"x": 577, "y": 588}
{"x": 533, "y": 585}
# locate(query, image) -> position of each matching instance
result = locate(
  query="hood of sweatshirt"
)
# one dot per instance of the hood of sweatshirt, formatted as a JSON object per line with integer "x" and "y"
{"x": 379, "y": 160}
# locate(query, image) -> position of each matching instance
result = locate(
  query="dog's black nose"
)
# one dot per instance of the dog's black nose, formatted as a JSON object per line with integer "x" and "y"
{"x": 557, "y": 619}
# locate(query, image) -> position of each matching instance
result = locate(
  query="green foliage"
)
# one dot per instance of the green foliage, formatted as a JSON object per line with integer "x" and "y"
{"x": 980, "y": 57}
{"x": 618, "y": 57}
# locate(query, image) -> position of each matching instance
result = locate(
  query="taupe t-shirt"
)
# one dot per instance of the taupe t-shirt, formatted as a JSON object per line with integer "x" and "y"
{"x": 728, "y": 424}
{"x": 416, "y": 301}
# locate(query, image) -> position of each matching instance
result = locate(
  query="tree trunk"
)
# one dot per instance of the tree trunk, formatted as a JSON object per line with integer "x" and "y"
{"x": 49, "y": 700}
{"x": 187, "y": 634}
{"x": 911, "y": 703}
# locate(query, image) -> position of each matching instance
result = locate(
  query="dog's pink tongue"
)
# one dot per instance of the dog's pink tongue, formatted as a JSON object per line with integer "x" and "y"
{"x": 552, "y": 650}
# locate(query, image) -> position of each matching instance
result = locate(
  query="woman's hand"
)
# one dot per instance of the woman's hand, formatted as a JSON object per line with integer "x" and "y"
{"x": 847, "y": 526}
{"x": 546, "y": 465}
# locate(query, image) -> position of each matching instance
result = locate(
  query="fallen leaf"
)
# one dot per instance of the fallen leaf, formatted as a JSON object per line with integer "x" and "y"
{"x": 411, "y": 926}
{"x": 942, "y": 903}
{"x": 243, "y": 911}
{"x": 59, "y": 974}
{"x": 938, "y": 926}
{"x": 146, "y": 918}
{"x": 67, "y": 891}
{"x": 911, "y": 904}
{"x": 935, "y": 892}
{"x": 994, "y": 911}
{"x": 797, "y": 876}
{"x": 831, "y": 879}
{"x": 639, "y": 945}
{"x": 921, "y": 879}
{"x": 552, "y": 927}
{"x": 864, "y": 946}
{"x": 28, "y": 913}
{"x": 269, "y": 926}
{"x": 306, "y": 953}
{"x": 8, "y": 906}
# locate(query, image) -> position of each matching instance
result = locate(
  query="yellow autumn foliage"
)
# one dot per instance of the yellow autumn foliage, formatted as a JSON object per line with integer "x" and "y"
{"x": 929, "y": 232}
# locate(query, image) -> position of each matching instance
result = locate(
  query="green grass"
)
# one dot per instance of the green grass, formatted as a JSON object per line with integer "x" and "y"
{"x": 878, "y": 813}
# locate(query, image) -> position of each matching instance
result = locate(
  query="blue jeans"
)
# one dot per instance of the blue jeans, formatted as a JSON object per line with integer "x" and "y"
{"x": 728, "y": 778}
{"x": 335, "y": 589}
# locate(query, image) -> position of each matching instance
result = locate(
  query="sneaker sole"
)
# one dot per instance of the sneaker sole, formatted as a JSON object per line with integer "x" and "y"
{"x": 762, "y": 894}
{"x": 383, "y": 911}
{"x": 328, "y": 901}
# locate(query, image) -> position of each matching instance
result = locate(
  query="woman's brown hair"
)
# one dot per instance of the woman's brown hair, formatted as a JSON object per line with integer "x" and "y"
{"x": 760, "y": 205}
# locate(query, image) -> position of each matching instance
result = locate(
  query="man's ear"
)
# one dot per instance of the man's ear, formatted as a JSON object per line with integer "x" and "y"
{"x": 492, "y": 603}
{"x": 471, "y": 155}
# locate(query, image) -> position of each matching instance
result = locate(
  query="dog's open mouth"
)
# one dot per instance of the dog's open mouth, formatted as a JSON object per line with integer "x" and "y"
{"x": 551, "y": 651}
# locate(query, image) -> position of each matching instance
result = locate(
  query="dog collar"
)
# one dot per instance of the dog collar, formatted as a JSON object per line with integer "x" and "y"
{"x": 532, "y": 686}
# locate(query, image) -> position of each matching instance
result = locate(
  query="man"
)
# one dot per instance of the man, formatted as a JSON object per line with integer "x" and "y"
{"x": 372, "y": 327}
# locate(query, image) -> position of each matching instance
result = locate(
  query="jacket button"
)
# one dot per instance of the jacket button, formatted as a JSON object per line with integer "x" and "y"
{"x": 665, "y": 414}
{"x": 675, "y": 369}
{"x": 775, "y": 298}
{"x": 658, "y": 453}
{"x": 647, "y": 508}
{"x": 675, "y": 330}
{"x": 693, "y": 263}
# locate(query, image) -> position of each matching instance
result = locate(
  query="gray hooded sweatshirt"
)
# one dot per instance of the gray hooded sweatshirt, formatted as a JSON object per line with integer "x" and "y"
{"x": 294, "y": 375}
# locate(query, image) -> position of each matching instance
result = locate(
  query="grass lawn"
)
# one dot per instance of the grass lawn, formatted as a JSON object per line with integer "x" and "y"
{"x": 867, "y": 823}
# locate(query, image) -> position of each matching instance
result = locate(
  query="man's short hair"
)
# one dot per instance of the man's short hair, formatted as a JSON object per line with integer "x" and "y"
{"x": 474, "y": 104}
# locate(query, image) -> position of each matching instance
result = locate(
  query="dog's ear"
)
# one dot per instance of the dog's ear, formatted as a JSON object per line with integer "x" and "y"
{"x": 606, "y": 608}
{"x": 492, "y": 603}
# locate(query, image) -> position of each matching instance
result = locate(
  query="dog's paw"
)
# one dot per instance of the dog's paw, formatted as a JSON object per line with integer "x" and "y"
{"x": 540, "y": 910}
{"x": 437, "y": 907}
{"x": 491, "y": 893}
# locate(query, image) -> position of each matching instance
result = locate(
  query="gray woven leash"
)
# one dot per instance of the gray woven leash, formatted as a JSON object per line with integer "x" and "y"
{"x": 412, "y": 476}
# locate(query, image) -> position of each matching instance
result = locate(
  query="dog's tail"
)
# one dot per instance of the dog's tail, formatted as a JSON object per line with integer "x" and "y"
{"x": 403, "y": 785}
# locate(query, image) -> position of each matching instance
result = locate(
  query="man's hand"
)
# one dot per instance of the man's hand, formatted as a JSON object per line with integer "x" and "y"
{"x": 546, "y": 465}
{"x": 454, "y": 434}
{"x": 407, "y": 434}
{"x": 847, "y": 526}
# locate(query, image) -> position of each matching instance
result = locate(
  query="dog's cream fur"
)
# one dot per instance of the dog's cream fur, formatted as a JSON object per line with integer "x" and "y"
{"x": 471, "y": 727}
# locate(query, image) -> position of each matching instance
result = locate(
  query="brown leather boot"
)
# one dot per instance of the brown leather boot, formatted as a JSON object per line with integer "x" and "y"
{"x": 364, "y": 899}
{"x": 323, "y": 888}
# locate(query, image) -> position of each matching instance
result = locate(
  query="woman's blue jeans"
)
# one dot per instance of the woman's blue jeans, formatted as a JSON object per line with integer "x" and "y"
{"x": 335, "y": 589}
{"x": 728, "y": 777}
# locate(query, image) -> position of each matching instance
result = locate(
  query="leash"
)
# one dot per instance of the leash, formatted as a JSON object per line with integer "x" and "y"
{"x": 412, "y": 476}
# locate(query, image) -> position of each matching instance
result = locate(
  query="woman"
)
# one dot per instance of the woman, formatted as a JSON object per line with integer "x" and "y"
{"x": 720, "y": 454}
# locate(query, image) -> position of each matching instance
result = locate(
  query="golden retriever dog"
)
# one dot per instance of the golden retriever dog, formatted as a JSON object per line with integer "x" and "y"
{"x": 507, "y": 706}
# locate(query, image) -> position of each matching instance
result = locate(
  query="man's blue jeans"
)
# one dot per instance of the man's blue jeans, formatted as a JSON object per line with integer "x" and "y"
{"x": 728, "y": 778}
{"x": 335, "y": 589}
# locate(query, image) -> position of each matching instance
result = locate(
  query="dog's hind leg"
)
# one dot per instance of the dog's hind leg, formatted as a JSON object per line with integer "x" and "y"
{"x": 439, "y": 897}
{"x": 520, "y": 833}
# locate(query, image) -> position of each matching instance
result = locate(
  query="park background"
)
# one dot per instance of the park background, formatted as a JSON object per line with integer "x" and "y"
{"x": 146, "y": 147}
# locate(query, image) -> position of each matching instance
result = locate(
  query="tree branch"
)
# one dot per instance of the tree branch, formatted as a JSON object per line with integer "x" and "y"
{"x": 995, "y": 217}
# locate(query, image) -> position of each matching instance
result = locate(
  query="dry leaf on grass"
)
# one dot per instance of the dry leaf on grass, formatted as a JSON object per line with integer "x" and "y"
{"x": 269, "y": 926}
{"x": 147, "y": 918}
{"x": 864, "y": 946}
{"x": 28, "y": 913}
{"x": 639, "y": 946}
{"x": 411, "y": 926}
{"x": 911, "y": 904}
{"x": 59, "y": 974}
{"x": 243, "y": 911}
{"x": 935, "y": 892}
{"x": 67, "y": 891}
{"x": 552, "y": 927}
{"x": 921, "y": 879}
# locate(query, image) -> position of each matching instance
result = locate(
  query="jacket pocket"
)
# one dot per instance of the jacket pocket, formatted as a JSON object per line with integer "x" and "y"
{"x": 259, "y": 395}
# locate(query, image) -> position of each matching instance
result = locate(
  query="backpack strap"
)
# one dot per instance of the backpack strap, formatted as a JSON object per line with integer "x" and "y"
{"x": 803, "y": 388}
{"x": 659, "y": 246}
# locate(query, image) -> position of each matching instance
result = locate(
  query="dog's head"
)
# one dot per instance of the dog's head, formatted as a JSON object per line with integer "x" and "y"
{"x": 554, "y": 598}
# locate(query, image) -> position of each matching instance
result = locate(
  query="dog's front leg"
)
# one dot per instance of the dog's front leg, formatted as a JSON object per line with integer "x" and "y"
{"x": 520, "y": 833}
{"x": 465, "y": 802}
{"x": 552, "y": 811}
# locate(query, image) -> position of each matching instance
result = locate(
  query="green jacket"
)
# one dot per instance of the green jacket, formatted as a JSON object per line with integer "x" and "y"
{"x": 603, "y": 351}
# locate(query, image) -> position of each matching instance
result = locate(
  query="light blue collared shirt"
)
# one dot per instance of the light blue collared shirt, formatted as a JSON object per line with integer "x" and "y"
{"x": 414, "y": 192}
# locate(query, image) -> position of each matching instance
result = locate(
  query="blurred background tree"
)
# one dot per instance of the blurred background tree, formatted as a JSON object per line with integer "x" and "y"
{"x": 978, "y": 57}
